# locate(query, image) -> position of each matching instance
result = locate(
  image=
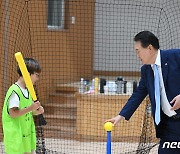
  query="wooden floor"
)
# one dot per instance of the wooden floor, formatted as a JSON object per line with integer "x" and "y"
{"x": 62, "y": 146}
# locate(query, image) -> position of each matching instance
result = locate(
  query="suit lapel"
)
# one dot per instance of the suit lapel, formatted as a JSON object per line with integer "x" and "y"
{"x": 164, "y": 66}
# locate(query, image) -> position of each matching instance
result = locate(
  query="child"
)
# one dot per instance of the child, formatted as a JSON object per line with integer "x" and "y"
{"x": 18, "y": 110}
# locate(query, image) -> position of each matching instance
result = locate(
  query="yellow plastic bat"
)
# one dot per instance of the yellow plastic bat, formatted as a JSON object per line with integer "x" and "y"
{"x": 26, "y": 75}
{"x": 28, "y": 82}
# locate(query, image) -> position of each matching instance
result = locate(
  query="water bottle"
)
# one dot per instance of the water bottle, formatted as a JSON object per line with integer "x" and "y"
{"x": 119, "y": 82}
{"x": 92, "y": 84}
{"x": 81, "y": 89}
{"x": 102, "y": 84}
{"x": 96, "y": 85}
{"x": 125, "y": 87}
{"x": 86, "y": 85}
{"x": 134, "y": 85}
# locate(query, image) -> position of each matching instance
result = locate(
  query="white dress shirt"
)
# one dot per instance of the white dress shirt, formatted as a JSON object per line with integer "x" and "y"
{"x": 165, "y": 105}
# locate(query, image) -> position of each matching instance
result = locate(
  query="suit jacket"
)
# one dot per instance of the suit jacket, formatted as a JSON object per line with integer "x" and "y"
{"x": 170, "y": 64}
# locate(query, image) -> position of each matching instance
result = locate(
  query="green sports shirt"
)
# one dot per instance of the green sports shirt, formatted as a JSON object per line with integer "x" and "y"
{"x": 19, "y": 133}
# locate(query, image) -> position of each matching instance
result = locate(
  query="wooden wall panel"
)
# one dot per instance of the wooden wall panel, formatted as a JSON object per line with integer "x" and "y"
{"x": 64, "y": 55}
{"x": 94, "y": 109}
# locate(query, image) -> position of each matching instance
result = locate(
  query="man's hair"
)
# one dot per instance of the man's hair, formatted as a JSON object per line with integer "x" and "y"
{"x": 146, "y": 38}
{"x": 32, "y": 66}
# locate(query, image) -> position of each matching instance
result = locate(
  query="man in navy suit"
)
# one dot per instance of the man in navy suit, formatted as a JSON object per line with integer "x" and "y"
{"x": 160, "y": 79}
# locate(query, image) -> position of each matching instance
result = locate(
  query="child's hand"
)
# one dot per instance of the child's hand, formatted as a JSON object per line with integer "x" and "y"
{"x": 35, "y": 105}
{"x": 40, "y": 110}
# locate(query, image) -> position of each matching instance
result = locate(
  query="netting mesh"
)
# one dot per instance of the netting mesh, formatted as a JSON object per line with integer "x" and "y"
{"x": 74, "y": 39}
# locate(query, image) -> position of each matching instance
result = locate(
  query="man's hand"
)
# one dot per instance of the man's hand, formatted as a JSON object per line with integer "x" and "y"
{"x": 175, "y": 102}
{"x": 115, "y": 120}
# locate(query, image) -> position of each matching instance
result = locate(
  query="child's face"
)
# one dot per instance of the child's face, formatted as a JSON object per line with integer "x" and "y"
{"x": 35, "y": 77}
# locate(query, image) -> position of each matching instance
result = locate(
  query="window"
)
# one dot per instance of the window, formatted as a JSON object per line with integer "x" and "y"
{"x": 55, "y": 19}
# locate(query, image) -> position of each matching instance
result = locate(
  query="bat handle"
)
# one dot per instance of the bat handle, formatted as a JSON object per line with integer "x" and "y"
{"x": 42, "y": 121}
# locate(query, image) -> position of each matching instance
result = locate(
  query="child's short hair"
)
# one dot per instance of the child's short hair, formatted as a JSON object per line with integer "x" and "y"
{"x": 32, "y": 66}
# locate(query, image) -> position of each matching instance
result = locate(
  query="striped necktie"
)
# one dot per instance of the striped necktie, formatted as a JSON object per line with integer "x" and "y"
{"x": 157, "y": 94}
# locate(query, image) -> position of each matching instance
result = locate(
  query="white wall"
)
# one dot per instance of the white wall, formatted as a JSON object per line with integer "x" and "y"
{"x": 118, "y": 21}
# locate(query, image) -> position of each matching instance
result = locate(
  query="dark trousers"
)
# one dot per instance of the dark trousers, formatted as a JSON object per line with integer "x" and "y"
{"x": 169, "y": 147}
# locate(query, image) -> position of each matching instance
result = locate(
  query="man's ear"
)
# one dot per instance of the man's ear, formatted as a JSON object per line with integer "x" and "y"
{"x": 151, "y": 48}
